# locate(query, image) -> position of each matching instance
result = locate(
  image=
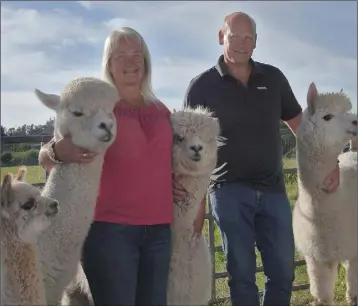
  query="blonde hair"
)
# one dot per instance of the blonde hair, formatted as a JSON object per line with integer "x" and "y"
{"x": 111, "y": 43}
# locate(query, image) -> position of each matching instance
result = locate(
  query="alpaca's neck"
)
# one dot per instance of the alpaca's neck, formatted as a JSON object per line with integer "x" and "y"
{"x": 81, "y": 170}
{"x": 81, "y": 178}
{"x": 9, "y": 236}
{"x": 314, "y": 163}
{"x": 20, "y": 272}
{"x": 187, "y": 210}
{"x": 76, "y": 187}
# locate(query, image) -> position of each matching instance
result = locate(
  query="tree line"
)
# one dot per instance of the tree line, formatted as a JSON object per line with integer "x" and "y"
{"x": 29, "y": 129}
{"x": 24, "y": 153}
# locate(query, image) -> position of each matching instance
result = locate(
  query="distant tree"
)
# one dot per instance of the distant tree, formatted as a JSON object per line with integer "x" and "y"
{"x": 3, "y": 131}
{"x": 6, "y": 158}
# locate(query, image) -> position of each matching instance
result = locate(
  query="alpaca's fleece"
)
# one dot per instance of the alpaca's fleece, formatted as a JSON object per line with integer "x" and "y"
{"x": 84, "y": 110}
{"x": 78, "y": 293}
{"x": 353, "y": 144}
{"x": 325, "y": 224}
{"x": 194, "y": 158}
{"x": 25, "y": 214}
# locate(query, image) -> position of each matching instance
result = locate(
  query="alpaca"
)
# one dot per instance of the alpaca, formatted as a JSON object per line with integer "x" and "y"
{"x": 84, "y": 111}
{"x": 325, "y": 224}
{"x": 195, "y": 147}
{"x": 25, "y": 214}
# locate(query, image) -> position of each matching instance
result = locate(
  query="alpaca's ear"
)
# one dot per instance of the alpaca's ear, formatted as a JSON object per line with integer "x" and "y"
{"x": 50, "y": 100}
{"x": 312, "y": 95}
{"x": 21, "y": 173}
{"x": 7, "y": 193}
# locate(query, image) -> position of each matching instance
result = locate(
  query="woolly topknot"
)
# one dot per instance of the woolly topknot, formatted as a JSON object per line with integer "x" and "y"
{"x": 335, "y": 101}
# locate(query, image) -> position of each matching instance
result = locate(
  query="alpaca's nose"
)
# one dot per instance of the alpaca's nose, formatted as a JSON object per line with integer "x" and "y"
{"x": 196, "y": 148}
{"x": 54, "y": 204}
{"x": 53, "y": 208}
{"x": 354, "y": 122}
{"x": 106, "y": 125}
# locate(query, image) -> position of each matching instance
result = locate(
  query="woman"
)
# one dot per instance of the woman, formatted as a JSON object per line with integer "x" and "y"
{"x": 126, "y": 255}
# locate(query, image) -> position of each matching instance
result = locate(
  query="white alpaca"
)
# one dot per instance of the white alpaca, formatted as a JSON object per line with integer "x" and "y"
{"x": 85, "y": 112}
{"x": 194, "y": 159}
{"x": 325, "y": 225}
{"x": 25, "y": 214}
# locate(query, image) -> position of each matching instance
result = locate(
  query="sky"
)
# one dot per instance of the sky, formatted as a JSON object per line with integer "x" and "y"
{"x": 46, "y": 44}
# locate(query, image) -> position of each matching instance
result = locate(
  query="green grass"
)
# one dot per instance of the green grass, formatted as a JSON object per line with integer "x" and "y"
{"x": 37, "y": 175}
{"x": 289, "y": 163}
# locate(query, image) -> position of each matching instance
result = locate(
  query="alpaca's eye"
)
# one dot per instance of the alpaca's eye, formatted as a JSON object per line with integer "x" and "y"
{"x": 178, "y": 138}
{"x": 328, "y": 117}
{"x": 77, "y": 114}
{"x": 29, "y": 204}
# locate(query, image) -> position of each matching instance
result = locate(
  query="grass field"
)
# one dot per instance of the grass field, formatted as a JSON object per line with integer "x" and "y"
{"x": 37, "y": 175}
{"x": 289, "y": 163}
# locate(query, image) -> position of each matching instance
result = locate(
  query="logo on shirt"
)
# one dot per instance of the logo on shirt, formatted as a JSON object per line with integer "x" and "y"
{"x": 261, "y": 87}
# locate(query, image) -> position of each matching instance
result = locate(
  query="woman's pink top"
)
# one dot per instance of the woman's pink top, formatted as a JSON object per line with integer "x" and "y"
{"x": 136, "y": 184}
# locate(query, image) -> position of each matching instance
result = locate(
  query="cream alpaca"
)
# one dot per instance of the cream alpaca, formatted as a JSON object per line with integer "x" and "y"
{"x": 85, "y": 112}
{"x": 25, "y": 214}
{"x": 194, "y": 159}
{"x": 325, "y": 225}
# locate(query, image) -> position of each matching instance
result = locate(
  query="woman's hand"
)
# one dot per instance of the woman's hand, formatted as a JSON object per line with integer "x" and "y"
{"x": 67, "y": 152}
{"x": 178, "y": 191}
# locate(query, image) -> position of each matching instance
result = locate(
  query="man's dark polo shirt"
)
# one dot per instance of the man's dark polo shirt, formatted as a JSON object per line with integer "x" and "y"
{"x": 249, "y": 118}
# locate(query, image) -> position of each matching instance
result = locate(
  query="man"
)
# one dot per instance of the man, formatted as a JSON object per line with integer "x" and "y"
{"x": 248, "y": 194}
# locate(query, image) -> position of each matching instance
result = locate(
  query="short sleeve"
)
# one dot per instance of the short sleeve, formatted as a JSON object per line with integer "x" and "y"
{"x": 290, "y": 107}
{"x": 194, "y": 95}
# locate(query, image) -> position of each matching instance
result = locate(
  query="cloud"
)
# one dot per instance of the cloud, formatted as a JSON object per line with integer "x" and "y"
{"x": 18, "y": 108}
{"x": 46, "y": 48}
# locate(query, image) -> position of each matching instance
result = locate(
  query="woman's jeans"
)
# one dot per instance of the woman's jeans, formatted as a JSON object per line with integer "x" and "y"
{"x": 127, "y": 264}
{"x": 245, "y": 216}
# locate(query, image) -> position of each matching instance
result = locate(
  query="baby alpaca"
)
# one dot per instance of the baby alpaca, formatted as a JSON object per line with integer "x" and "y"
{"x": 25, "y": 214}
{"x": 84, "y": 111}
{"x": 194, "y": 159}
{"x": 325, "y": 224}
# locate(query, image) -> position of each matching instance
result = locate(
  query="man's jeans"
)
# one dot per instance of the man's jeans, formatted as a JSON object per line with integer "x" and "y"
{"x": 244, "y": 216}
{"x": 127, "y": 264}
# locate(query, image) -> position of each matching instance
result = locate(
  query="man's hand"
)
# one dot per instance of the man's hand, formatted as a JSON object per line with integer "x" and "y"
{"x": 332, "y": 181}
